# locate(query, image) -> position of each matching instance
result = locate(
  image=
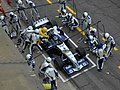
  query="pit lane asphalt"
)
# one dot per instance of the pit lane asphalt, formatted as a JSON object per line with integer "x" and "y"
{"x": 108, "y": 12}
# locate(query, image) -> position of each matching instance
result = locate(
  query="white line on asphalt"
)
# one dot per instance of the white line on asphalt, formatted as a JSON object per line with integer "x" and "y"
{"x": 65, "y": 80}
{"x": 44, "y": 56}
{"x": 90, "y": 60}
{"x": 94, "y": 65}
{"x": 71, "y": 41}
{"x": 55, "y": 69}
{"x": 79, "y": 73}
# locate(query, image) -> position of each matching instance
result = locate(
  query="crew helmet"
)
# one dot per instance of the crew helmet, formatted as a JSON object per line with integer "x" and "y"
{"x": 99, "y": 45}
{"x": 29, "y": 2}
{"x": 85, "y": 14}
{"x": 64, "y": 11}
{"x": 44, "y": 29}
{"x": 94, "y": 29}
{"x": 48, "y": 59}
{"x": 55, "y": 27}
{"x": 2, "y": 17}
{"x": 30, "y": 28}
{"x": 70, "y": 14}
{"x": 37, "y": 30}
{"x": 91, "y": 37}
{"x": 46, "y": 64}
{"x": 11, "y": 13}
{"x": 107, "y": 35}
{"x": 19, "y": 2}
{"x": 28, "y": 56}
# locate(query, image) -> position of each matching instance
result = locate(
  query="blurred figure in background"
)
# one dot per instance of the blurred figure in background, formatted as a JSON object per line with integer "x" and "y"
{"x": 4, "y": 24}
{"x": 86, "y": 22}
{"x": 9, "y": 2}
{"x": 15, "y": 22}
{"x": 110, "y": 44}
{"x": 21, "y": 10}
{"x": 30, "y": 61}
{"x": 33, "y": 8}
{"x": 2, "y": 9}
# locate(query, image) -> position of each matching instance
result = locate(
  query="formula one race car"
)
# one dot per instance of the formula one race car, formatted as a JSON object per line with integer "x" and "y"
{"x": 65, "y": 53}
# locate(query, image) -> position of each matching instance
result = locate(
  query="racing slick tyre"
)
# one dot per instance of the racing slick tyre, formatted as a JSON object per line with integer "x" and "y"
{"x": 81, "y": 51}
{"x": 58, "y": 63}
{"x": 68, "y": 43}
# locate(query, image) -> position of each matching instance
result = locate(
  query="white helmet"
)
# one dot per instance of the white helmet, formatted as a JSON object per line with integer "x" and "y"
{"x": 91, "y": 37}
{"x": 19, "y": 2}
{"x": 94, "y": 29}
{"x": 48, "y": 59}
{"x": 64, "y": 10}
{"x": 46, "y": 64}
{"x": 70, "y": 14}
{"x": 107, "y": 35}
{"x": 30, "y": 28}
{"x": 2, "y": 17}
{"x": 28, "y": 56}
{"x": 55, "y": 27}
{"x": 85, "y": 14}
{"x": 29, "y": 2}
{"x": 11, "y": 13}
{"x": 37, "y": 30}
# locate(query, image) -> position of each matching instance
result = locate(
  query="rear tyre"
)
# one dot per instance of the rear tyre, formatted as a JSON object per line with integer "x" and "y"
{"x": 81, "y": 51}
{"x": 58, "y": 63}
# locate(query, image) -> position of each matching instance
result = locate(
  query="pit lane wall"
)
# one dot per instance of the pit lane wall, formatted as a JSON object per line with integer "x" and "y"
{"x": 14, "y": 72}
